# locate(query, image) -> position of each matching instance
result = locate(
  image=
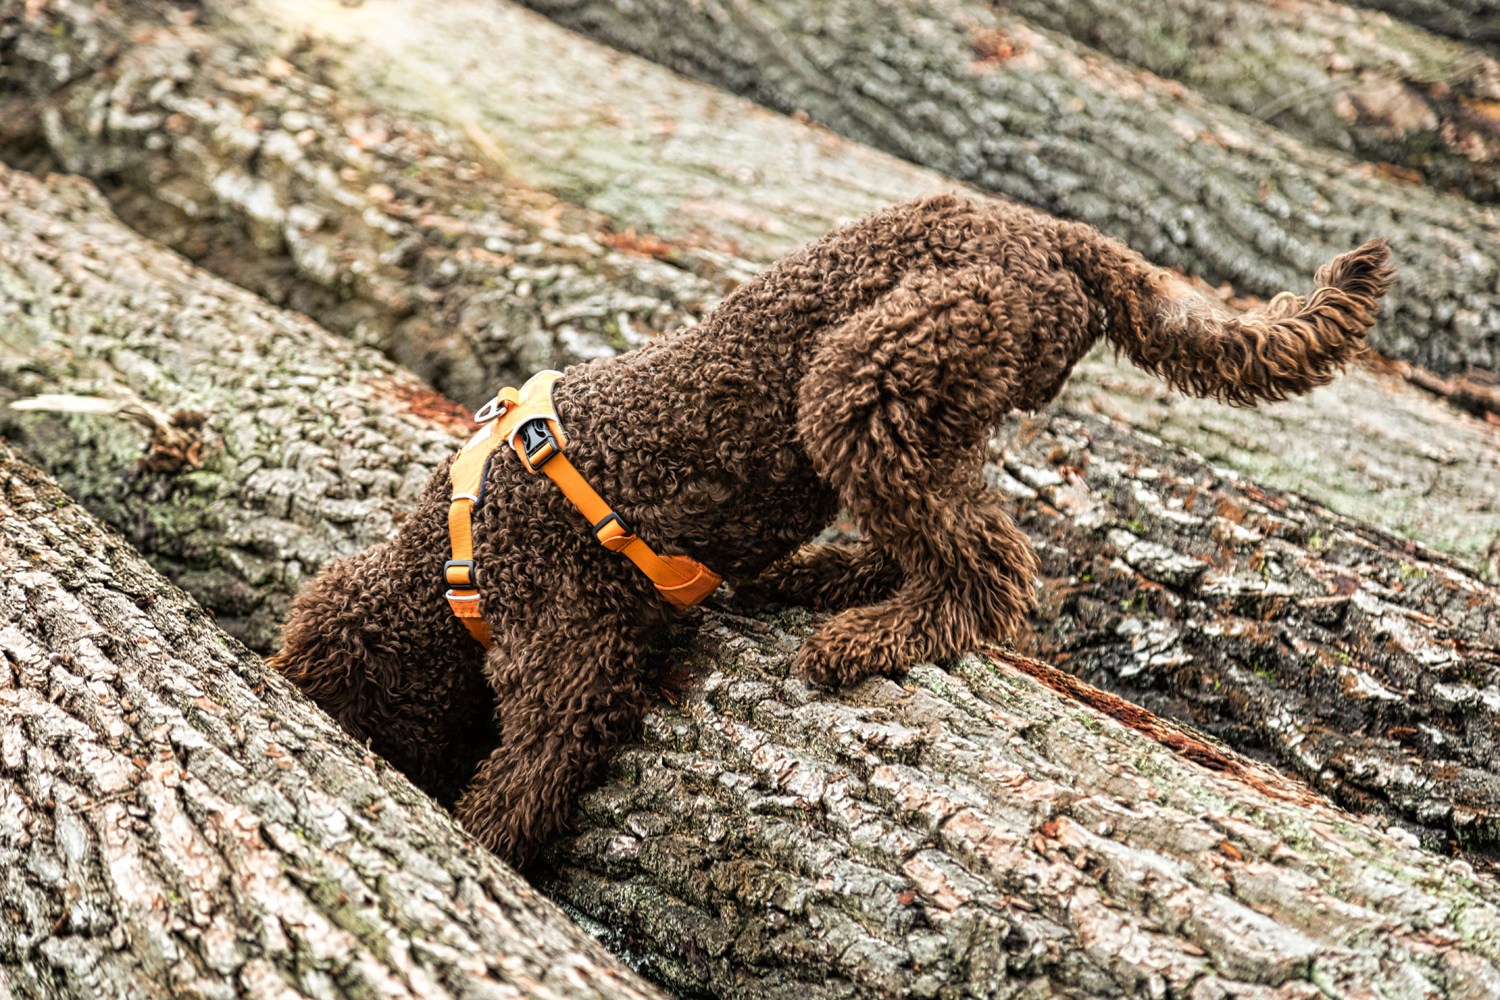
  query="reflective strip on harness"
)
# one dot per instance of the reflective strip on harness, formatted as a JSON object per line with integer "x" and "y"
{"x": 528, "y": 423}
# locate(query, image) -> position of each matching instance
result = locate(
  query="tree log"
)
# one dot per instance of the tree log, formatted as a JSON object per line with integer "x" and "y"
{"x": 970, "y": 831}
{"x": 1366, "y": 664}
{"x": 311, "y": 450}
{"x": 652, "y": 149}
{"x": 262, "y": 447}
{"x": 174, "y": 817}
{"x": 1365, "y": 446}
{"x": 386, "y": 230}
{"x": 1013, "y": 109}
{"x": 1332, "y": 75}
{"x": 175, "y": 820}
{"x": 1471, "y": 20}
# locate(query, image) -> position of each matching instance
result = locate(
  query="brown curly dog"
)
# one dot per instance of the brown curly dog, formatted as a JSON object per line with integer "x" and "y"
{"x": 867, "y": 371}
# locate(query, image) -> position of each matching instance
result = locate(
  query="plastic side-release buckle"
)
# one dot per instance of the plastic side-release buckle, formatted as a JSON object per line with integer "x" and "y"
{"x": 538, "y": 442}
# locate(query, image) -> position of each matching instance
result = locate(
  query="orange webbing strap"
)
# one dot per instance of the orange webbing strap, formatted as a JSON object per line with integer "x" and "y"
{"x": 681, "y": 580}
{"x": 528, "y": 422}
{"x": 467, "y": 475}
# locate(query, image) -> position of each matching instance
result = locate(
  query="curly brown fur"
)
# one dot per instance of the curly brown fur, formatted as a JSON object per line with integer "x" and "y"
{"x": 865, "y": 371}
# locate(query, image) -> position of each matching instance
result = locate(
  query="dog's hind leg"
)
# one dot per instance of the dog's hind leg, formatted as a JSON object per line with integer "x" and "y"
{"x": 568, "y": 690}
{"x": 895, "y": 411}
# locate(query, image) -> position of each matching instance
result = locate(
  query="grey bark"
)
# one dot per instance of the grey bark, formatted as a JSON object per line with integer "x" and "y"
{"x": 310, "y": 448}
{"x": 710, "y": 856}
{"x": 993, "y": 101}
{"x": 966, "y": 831}
{"x": 969, "y": 832}
{"x": 1363, "y": 663}
{"x": 175, "y": 820}
{"x": 1471, "y": 20}
{"x": 1369, "y": 446}
{"x": 394, "y": 233}
{"x": 653, "y": 150}
{"x": 1354, "y": 80}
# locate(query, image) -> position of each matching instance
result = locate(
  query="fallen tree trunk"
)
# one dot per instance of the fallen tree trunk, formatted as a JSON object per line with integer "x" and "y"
{"x": 709, "y": 906}
{"x": 1471, "y": 20}
{"x": 628, "y": 137}
{"x": 971, "y": 832}
{"x": 240, "y": 445}
{"x": 1365, "y": 664}
{"x": 176, "y": 820}
{"x": 310, "y": 450}
{"x": 990, "y": 100}
{"x": 1367, "y": 446}
{"x": 173, "y": 816}
{"x": 1332, "y": 75}
{"x": 390, "y": 232}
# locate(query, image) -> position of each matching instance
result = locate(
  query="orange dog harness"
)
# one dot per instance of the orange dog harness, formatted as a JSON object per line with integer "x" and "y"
{"x": 527, "y": 421}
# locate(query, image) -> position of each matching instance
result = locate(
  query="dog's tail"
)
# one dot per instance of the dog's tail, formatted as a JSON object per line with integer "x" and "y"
{"x": 1287, "y": 347}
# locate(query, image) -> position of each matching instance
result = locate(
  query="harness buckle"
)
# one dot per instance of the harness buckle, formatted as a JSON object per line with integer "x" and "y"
{"x": 536, "y": 438}
{"x": 460, "y": 573}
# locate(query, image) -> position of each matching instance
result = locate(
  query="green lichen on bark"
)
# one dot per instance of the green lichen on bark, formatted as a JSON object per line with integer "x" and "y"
{"x": 311, "y": 448}
{"x": 176, "y": 820}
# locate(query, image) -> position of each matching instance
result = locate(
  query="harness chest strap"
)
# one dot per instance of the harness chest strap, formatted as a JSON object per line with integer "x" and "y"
{"x": 527, "y": 422}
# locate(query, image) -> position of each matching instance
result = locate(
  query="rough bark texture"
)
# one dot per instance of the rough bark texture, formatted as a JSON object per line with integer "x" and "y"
{"x": 969, "y": 832}
{"x": 309, "y": 449}
{"x": 401, "y": 234}
{"x": 628, "y": 137}
{"x": 1472, "y": 20}
{"x": 1368, "y": 665}
{"x": 175, "y": 820}
{"x": 1334, "y": 75}
{"x": 1016, "y": 110}
{"x": 1366, "y": 446}
{"x": 382, "y": 229}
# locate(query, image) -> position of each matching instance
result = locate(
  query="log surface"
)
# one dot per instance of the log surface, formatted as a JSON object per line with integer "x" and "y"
{"x": 396, "y": 233}
{"x": 299, "y": 447}
{"x": 175, "y": 820}
{"x": 1010, "y": 108}
{"x": 1333, "y": 75}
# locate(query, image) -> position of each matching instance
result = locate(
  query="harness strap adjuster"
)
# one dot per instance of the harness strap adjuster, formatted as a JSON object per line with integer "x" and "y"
{"x": 619, "y": 537}
{"x": 459, "y": 573}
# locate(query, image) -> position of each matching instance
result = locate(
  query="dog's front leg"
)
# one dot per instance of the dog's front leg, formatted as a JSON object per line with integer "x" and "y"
{"x": 837, "y": 575}
{"x": 567, "y": 692}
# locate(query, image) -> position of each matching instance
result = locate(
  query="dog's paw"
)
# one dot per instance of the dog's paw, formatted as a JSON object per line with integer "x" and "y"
{"x": 834, "y": 658}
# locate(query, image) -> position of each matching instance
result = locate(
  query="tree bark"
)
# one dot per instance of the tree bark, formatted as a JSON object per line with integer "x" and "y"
{"x": 710, "y": 859}
{"x": 1332, "y": 75}
{"x": 172, "y": 817}
{"x": 1471, "y": 20}
{"x": 970, "y": 831}
{"x": 1366, "y": 446}
{"x": 1013, "y": 109}
{"x": 1365, "y": 664}
{"x": 262, "y": 447}
{"x": 175, "y": 820}
{"x": 311, "y": 450}
{"x": 653, "y": 150}
{"x": 391, "y": 232}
